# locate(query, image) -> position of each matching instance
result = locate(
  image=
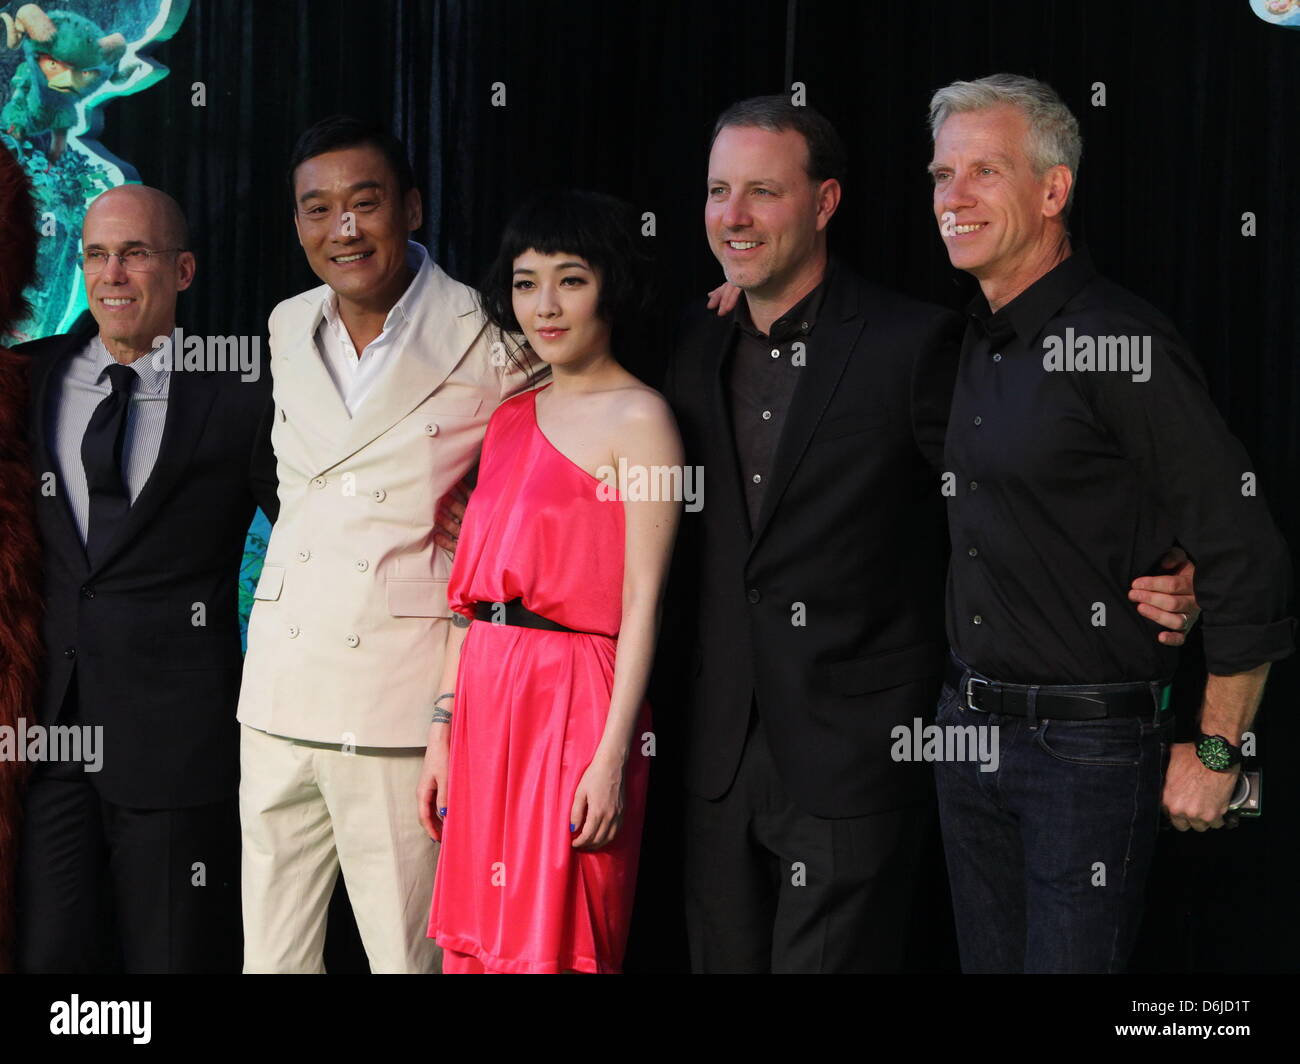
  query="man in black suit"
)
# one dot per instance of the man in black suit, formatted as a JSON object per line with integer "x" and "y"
{"x": 150, "y": 466}
{"x": 814, "y": 572}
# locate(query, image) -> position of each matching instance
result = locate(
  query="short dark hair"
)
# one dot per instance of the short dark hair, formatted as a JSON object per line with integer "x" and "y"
{"x": 601, "y": 229}
{"x": 18, "y": 250}
{"x": 826, "y": 155}
{"x": 347, "y": 131}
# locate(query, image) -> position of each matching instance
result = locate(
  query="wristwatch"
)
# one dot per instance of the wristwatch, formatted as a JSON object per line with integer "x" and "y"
{"x": 1216, "y": 753}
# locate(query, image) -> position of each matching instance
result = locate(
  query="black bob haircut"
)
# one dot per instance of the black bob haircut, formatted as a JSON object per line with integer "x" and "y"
{"x": 347, "y": 131}
{"x": 602, "y": 230}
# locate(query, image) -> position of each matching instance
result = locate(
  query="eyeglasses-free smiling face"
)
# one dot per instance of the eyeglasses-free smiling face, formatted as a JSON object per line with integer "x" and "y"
{"x": 763, "y": 212}
{"x": 993, "y": 212}
{"x": 353, "y": 223}
{"x": 555, "y": 300}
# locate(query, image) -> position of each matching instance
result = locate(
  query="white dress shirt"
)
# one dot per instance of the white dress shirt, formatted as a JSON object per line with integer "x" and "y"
{"x": 355, "y": 375}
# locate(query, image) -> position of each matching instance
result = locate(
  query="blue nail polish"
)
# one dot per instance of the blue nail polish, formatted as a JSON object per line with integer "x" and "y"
{"x": 573, "y": 827}
{"x": 442, "y": 811}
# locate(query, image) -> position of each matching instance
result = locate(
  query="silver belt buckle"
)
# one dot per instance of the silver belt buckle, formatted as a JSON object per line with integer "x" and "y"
{"x": 970, "y": 680}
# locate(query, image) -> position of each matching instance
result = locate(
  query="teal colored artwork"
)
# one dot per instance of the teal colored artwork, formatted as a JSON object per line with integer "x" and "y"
{"x": 60, "y": 65}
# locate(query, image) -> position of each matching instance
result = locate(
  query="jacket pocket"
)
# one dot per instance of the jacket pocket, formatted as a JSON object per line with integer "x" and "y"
{"x": 417, "y": 598}
{"x": 270, "y": 583}
{"x": 878, "y": 672}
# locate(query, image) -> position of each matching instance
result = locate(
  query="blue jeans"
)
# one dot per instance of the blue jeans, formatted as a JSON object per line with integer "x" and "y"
{"x": 1048, "y": 854}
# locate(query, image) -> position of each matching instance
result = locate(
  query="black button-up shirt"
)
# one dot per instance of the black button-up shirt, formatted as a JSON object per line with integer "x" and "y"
{"x": 1081, "y": 445}
{"x": 762, "y": 373}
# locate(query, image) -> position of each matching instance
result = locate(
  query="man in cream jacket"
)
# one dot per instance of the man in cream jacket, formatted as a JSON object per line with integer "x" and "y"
{"x": 346, "y": 637}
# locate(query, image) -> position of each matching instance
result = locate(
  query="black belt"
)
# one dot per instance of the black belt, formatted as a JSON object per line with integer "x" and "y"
{"x": 516, "y": 613}
{"x": 1056, "y": 701}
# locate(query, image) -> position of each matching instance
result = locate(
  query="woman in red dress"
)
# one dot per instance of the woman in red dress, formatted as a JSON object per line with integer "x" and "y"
{"x": 536, "y": 768}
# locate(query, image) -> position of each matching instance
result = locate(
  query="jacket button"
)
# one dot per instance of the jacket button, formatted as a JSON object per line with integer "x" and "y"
{"x": 362, "y": 565}
{"x": 70, "y": 652}
{"x": 352, "y": 640}
{"x": 379, "y": 494}
{"x": 293, "y": 631}
{"x": 303, "y": 555}
{"x": 88, "y": 592}
{"x": 431, "y": 429}
{"x": 753, "y": 595}
{"x": 317, "y": 482}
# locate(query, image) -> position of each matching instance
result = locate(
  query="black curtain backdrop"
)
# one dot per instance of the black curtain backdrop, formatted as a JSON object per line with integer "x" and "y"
{"x": 1199, "y": 126}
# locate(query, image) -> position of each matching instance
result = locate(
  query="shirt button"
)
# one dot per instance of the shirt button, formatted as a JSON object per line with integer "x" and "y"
{"x": 979, "y": 420}
{"x": 293, "y": 631}
{"x": 431, "y": 429}
{"x": 758, "y": 478}
{"x": 767, "y": 415}
{"x": 997, "y": 358}
{"x": 753, "y": 594}
{"x": 379, "y": 494}
{"x": 352, "y": 640}
{"x": 362, "y": 565}
{"x": 88, "y": 592}
{"x": 776, "y": 352}
{"x": 303, "y": 555}
{"x": 317, "y": 482}
{"x": 803, "y": 326}
{"x": 69, "y": 652}
{"x": 974, "y": 484}
{"x": 978, "y": 619}
{"x": 973, "y": 552}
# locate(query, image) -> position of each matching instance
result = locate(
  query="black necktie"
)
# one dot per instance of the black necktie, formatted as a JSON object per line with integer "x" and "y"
{"x": 101, "y": 456}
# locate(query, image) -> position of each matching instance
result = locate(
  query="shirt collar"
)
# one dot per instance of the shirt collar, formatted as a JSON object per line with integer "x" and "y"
{"x": 1027, "y": 314}
{"x": 797, "y": 321}
{"x": 404, "y": 309}
{"x": 152, "y": 378}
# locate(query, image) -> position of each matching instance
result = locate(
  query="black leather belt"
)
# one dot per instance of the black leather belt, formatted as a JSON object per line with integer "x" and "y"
{"x": 516, "y": 613}
{"x": 1056, "y": 701}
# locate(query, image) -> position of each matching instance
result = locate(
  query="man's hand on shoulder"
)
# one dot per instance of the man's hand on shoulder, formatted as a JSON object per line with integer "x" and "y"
{"x": 1169, "y": 600}
{"x": 724, "y": 298}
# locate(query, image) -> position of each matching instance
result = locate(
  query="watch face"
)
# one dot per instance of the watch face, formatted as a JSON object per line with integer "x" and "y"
{"x": 1214, "y": 753}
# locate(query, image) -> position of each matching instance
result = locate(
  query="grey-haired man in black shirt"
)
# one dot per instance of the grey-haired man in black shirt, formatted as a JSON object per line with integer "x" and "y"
{"x": 1081, "y": 443}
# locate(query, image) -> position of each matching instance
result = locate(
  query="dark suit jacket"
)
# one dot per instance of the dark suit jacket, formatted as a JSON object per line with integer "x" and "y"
{"x": 830, "y": 612}
{"x": 163, "y": 688}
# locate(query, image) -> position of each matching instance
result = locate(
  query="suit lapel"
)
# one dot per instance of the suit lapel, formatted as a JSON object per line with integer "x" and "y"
{"x": 828, "y": 350}
{"x": 63, "y": 526}
{"x": 719, "y": 420}
{"x": 304, "y": 388}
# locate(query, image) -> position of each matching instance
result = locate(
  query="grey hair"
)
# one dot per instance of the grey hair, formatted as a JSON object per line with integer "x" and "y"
{"x": 1054, "y": 138}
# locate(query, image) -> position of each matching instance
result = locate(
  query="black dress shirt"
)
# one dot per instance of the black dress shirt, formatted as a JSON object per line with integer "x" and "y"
{"x": 762, "y": 373}
{"x": 1067, "y": 481}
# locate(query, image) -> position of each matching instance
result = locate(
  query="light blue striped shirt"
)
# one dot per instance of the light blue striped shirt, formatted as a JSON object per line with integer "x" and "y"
{"x": 84, "y": 385}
